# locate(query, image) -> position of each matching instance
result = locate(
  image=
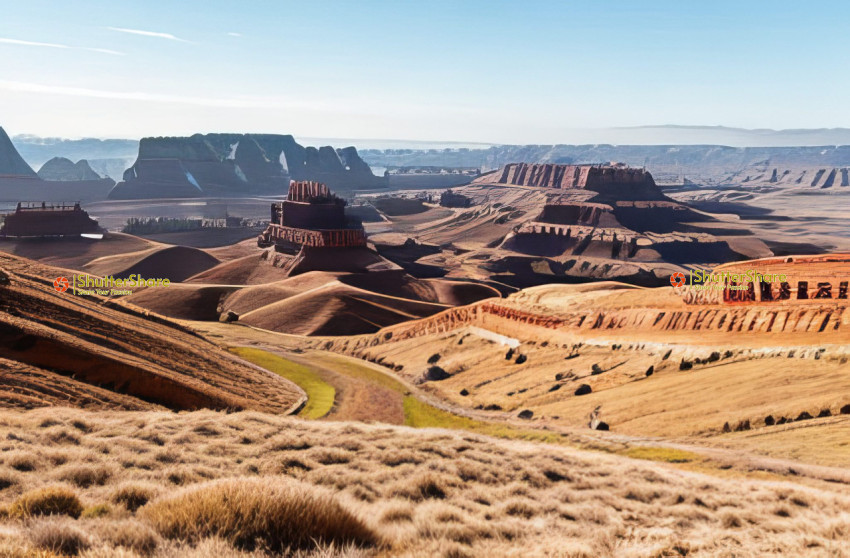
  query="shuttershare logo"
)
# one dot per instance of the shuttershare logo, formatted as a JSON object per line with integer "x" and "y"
{"x": 105, "y": 286}
{"x": 61, "y": 284}
{"x": 677, "y": 279}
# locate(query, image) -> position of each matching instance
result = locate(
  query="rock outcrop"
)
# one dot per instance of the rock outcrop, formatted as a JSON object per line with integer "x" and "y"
{"x": 12, "y": 165}
{"x": 613, "y": 180}
{"x": 18, "y": 182}
{"x": 62, "y": 169}
{"x": 238, "y": 164}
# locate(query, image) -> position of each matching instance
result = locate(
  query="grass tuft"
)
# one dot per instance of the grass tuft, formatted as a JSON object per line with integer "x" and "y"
{"x": 50, "y": 500}
{"x": 275, "y": 513}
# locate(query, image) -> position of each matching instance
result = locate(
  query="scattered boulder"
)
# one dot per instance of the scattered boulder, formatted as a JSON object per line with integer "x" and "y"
{"x": 600, "y": 425}
{"x": 596, "y": 369}
{"x": 804, "y": 416}
{"x": 824, "y": 413}
{"x": 521, "y": 359}
{"x": 845, "y": 410}
{"x": 583, "y": 389}
{"x": 509, "y": 355}
{"x": 435, "y": 374}
{"x": 667, "y": 354}
{"x": 556, "y": 387}
{"x": 525, "y": 414}
{"x": 434, "y": 359}
{"x": 464, "y": 392}
{"x": 686, "y": 365}
{"x": 743, "y": 425}
{"x": 726, "y": 427}
{"x": 769, "y": 420}
{"x": 493, "y": 407}
{"x": 229, "y": 317}
{"x": 559, "y": 376}
{"x": 713, "y": 357}
{"x": 650, "y": 371}
{"x": 781, "y": 420}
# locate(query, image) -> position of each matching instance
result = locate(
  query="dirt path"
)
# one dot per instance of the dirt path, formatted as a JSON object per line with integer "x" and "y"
{"x": 356, "y": 399}
{"x": 365, "y": 400}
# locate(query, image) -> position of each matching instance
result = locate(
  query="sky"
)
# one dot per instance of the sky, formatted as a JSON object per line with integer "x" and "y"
{"x": 496, "y": 71}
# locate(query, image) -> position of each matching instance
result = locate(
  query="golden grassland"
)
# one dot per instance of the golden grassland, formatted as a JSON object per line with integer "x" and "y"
{"x": 251, "y": 484}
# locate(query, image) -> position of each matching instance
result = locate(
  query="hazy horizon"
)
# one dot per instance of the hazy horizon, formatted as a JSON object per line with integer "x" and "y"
{"x": 663, "y": 135}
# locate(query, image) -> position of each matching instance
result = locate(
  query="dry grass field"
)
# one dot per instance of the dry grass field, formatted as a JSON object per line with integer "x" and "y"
{"x": 250, "y": 484}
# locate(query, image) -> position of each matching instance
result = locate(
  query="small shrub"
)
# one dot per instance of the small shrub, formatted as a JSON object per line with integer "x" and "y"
{"x": 60, "y": 536}
{"x": 519, "y": 508}
{"x": 22, "y": 461}
{"x": 133, "y": 496}
{"x": 397, "y": 514}
{"x": 278, "y": 514}
{"x": 7, "y": 479}
{"x": 50, "y": 500}
{"x": 61, "y": 436}
{"x": 132, "y": 535}
{"x": 731, "y": 521}
{"x": 423, "y": 487}
{"x": 85, "y": 476}
{"x": 80, "y": 425}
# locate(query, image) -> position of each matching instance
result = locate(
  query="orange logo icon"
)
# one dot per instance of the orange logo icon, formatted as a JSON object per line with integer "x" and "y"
{"x": 677, "y": 279}
{"x": 61, "y": 284}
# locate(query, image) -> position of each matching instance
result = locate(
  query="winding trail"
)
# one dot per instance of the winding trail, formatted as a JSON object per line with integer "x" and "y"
{"x": 369, "y": 392}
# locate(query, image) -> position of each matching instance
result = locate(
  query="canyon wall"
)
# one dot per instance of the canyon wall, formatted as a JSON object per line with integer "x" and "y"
{"x": 238, "y": 164}
{"x": 615, "y": 181}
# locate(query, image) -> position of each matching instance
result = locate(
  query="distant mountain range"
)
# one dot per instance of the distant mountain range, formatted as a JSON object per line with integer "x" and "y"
{"x": 722, "y": 135}
{"x": 711, "y": 154}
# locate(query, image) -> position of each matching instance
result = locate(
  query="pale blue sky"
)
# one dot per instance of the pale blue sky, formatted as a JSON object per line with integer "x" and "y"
{"x": 488, "y": 70}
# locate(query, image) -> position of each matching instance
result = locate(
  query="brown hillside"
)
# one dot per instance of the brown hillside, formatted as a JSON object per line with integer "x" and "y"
{"x": 337, "y": 309}
{"x": 114, "y": 346}
{"x": 176, "y": 263}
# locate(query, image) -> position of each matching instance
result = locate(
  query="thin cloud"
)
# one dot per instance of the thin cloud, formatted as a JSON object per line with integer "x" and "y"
{"x": 19, "y": 42}
{"x": 31, "y": 43}
{"x": 156, "y": 34}
{"x": 238, "y": 102}
{"x": 234, "y": 34}
{"x": 104, "y": 51}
